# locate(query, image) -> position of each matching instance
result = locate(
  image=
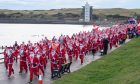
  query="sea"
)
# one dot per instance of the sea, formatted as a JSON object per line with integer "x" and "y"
{"x": 9, "y": 33}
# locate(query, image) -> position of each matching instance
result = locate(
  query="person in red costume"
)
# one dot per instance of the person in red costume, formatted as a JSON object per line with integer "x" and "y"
{"x": 16, "y": 52}
{"x": 94, "y": 47}
{"x": 82, "y": 52}
{"x": 115, "y": 41}
{"x": 70, "y": 52}
{"x": 33, "y": 66}
{"x": 41, "y": 62}
{"x": 23, "y": 60}
{"x": 62, "y": 54}
{"x": 6, "y": 58}
{"x": 44, "y": 55}
{"x": 10, "y": 62}
{"x": 111, "y": 41}
{"x": 89, "y": 46}
{"x": 74, "y": 47}
{"x": 54, "y": 60}
{"x": 100, "y": 44}
{"x": 77, "y": 50}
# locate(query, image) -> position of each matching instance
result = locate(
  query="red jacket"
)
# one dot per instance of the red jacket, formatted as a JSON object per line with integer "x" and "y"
{"x": 41, "y": 61}
{"x": 5, "y": 56}
{"x": 11, "y": 59}
{"x": 23, "y": 57}
{"x": 34, "y": 62}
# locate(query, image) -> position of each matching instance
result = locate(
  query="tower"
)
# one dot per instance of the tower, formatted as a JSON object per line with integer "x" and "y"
{"x": 87, "y": 13}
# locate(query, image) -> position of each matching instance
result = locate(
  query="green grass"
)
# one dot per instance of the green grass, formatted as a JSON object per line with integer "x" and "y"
{"x": 122, "y": 66}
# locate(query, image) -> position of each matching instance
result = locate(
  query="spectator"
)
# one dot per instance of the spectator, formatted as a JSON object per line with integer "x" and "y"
{"x": 105, "y": 45}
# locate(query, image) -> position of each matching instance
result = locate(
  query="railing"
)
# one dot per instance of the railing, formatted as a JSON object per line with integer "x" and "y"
{"x": 1, "y": 53}
{"x": 1, "y": 58}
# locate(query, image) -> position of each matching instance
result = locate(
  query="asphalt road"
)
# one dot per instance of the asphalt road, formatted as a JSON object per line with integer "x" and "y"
{"x": 23, "y": 78}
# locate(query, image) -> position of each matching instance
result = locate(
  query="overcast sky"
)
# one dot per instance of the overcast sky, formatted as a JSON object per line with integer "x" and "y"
{"x": 57, "y": 4}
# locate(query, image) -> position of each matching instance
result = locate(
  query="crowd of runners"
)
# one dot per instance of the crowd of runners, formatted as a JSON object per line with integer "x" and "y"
{"x": 33, "y": 57}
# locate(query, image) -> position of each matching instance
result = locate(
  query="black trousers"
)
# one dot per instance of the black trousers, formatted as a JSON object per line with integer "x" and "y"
{"x": 105, "y": 49}
{"x": 93, "y": 51}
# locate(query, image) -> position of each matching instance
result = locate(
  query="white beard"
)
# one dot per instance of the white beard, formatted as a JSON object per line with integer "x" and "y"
{"x": 21, "y": 52}
{"x": 77, "y": 44}
{"x": 81, "y": 46}
{"x": 36, "y": 50}
{"x": 61, "y": 48}
{"x": 38, "y": 56}
{"x": 53, "y": 53}
{"x": 32, "y": 55}
{"x": 8, "y": 52}
{"x": 44, "y": 51}
{"x": 70, "y": 47}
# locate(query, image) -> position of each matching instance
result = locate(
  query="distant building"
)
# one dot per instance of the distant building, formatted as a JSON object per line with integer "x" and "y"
{"x": 87, "y": 13}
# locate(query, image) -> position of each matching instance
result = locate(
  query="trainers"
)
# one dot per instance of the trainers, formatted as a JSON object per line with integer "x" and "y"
{"x": 8, "y": 77}
{"x": 20, "y": 72}
{"x": 30, "y": 82}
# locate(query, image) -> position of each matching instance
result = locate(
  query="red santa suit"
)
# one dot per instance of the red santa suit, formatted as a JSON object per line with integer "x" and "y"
{"x": 119, "y": 36}
{"x": 82, "y": 52}
{"x": 95, "y": 46}
{"x": 47, "y": 52}
{"x": 44, "y": 57}
{"x": 115, "y": 41}
{"x": 70, "y": 53}
{"x": 34, "y": 67}
{"x": 111, "y": 42}
{"x": 54, "y": 60}
{"x": 16, "y": 52}
{"x": 74, "y": 48}
{"x": 54, "y": 64}
{"x": 77, "y": 52}
{"x": 62, "y": 55}
{"x": 6, "y": 58}
{"x": 23, "y": 60}
{"x": 89, "y": 45}
{"x": 41, "y": 63}
{"x": 10, "y": 62}
{"x": 100, "y": 44}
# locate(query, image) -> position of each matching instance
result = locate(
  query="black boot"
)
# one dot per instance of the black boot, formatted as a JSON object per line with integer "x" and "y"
{"x": 13, "y": 71}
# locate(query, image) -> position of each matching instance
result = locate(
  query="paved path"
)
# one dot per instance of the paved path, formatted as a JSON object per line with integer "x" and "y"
{"x": 24, "y": 78}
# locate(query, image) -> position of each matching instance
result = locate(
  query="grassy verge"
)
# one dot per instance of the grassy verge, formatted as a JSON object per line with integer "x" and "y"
{"x": 122, "y": 66}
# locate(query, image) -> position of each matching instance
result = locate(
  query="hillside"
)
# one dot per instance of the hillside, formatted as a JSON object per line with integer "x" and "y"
{"x": 119, "y": 67}
{"x": 113, "y": 11}
{"x": 64, "y": 15}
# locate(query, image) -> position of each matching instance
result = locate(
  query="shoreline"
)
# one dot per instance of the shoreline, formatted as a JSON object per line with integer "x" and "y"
{"x": 68, "y": 23}
{"x": 82, "y": 23}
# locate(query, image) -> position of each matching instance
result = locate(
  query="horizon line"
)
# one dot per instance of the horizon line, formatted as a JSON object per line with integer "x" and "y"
{"x": 68, "y": 8}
